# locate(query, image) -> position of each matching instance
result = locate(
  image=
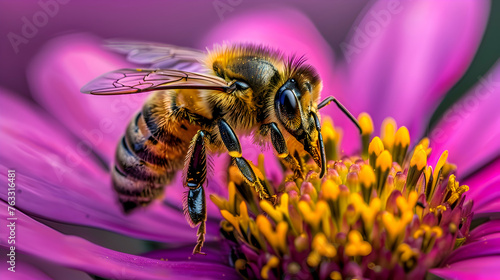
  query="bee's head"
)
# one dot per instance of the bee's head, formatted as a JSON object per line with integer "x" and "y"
{"x": 295, "y": 107}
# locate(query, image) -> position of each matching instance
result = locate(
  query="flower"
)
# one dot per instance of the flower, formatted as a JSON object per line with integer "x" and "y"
{"x": 62, "y": 151}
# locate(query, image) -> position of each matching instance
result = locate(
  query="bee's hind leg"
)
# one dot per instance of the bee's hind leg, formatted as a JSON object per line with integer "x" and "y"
{"x": 279, "y": 145}
{"x": 233, "y": 146}
{"x": 195, "y": 174}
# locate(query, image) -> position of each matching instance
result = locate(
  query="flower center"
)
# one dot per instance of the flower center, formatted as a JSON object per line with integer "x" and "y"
{"x": 382, "y": 214}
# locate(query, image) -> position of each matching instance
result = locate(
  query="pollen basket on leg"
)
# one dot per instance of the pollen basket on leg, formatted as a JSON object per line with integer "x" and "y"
{"x": 373, "y": 214}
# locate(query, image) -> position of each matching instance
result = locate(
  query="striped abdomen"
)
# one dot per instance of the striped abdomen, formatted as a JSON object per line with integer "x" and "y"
{"x": 152, "y": 150}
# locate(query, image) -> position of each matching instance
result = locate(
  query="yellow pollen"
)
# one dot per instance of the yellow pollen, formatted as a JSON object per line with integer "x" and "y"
{"x": 419, "y": 158}
{"x": 367, "y": 176}
{"x": 384, "y": 161}
{"x": 356, "y": 245}
{"x": 277, "y": 238}
{"x": 376, "y": 146}
{"x": 402, "y": 137}
{"x": 272, "y": 263}
{"x": 388, "y": 132}
{"x": 330, "y": 190}
{"x": 366, "y": 123}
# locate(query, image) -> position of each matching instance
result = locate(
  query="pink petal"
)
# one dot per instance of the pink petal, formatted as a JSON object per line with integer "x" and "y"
{"x": 77, "y": 253}
{"x": 470, "y": 129}
{"x": 480, "y": 248}
{"x": 70, "y": 187}
{"x": 403, "y": 57}
{"x": 484, "y": 188}
{"x": 474, "y": 269}
{"x": 485, "y": 231}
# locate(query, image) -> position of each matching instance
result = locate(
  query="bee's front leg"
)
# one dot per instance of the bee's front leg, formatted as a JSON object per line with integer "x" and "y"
{"x": 281, "y": 149}
{"x": 233, "y": 146}
{"x": 195, "y": 174}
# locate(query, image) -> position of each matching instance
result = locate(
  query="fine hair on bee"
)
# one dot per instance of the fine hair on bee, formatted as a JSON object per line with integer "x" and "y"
{"x": 200, "y": 103}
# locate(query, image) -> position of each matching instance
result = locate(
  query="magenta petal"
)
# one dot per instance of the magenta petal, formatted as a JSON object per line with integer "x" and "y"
{"x": 470, "y": 129}
{"x": 77, "y": 253}
{"x": 480, "y": 248}
{"x": 23, "y": 271}
{"x": 474, "y": 269}
{"x": 485, "y": 231}
{"x": 56, "y": 76}
{"x": 403, "y": 57}
{"x": 484, "y": 188}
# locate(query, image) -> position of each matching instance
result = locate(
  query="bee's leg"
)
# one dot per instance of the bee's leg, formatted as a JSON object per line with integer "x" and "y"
{"x": 279, "y": 145}
{"x": 195, "y": 174}
{"x": 233, "y": 146}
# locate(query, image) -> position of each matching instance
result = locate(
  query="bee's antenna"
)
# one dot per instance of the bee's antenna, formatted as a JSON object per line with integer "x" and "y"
{"x": 329, "y": 99}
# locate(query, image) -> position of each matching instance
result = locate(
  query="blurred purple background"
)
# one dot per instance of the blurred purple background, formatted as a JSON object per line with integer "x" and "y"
{"x": 181, "y": 23}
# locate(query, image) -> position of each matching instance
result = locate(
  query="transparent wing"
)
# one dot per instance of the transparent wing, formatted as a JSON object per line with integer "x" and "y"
{"x": 160, "y": 56}
{"x": 129, "y": 81}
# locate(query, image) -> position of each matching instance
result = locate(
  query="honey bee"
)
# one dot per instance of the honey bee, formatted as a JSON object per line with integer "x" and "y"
{"x": 199, "y": 101}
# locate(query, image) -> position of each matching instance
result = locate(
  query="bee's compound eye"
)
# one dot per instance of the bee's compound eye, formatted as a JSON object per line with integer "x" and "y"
{"x": 288, "y": 103}
{"x": 292, "y": 80}
{"x": 241, "y": 85}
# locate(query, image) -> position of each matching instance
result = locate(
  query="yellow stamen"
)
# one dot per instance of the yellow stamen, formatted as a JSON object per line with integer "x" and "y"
{"x": 331, "y": 138}
{"x": 232, "y": 219}
{"x": 272, "y": 263}
{"x": 329, "y": 190}
{"x": 327, "y": 129}
{"x": 323, "y": 247}
{"x": 244, "y": 218}
{"x": 425, "y": 145}
{"x": 384, "y": 161}
{"x": 368, "y": 212}
{"x": 277, "y": 238}
{"x": 366, "y": 176}
{"x": 388, "y": 132}
{"x": 402, "y": 137}
{"x": 366, "y": 123}
{"x": 276, "y": 215}
{"x": 395, "y": 227}
{"x": 376, "y": 146}
{"x": 356, "y": 245}
{"x": 419, "y": 158}
{"x": 439, "y": 165}
{"x": 401, "y": 143}
{"x": 368, "y": 181}
{"x": 335, "y": 275}
{"x": 313, "y": 217}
